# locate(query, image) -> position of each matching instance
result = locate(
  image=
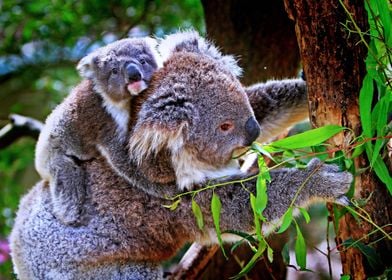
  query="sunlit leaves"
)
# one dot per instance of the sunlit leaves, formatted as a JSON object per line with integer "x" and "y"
{"x": 300, "y": 249}
{"x": 198, "y": 214}
{"x": 286, "y": 220}
{"x": 306, "y": 139}
{"x": 216, "y": 206}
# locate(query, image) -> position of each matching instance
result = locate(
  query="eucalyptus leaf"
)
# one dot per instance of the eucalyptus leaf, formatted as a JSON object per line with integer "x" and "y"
{"x": 261, "y": 195}
{"x": 306, "y": 215}
{"x": 256, "y": 219}
{"x": 198, "y": 214}
{"x": 260, "y": 250}
{"x": 300, "y": 249}
{"x": 286, "y": 220}
{"x": 386, "y": 20}
{"x": 308, "y": 138}
{"x": 216, "y": 206}
{"x": 174, "y": 205}
{"x": 270, "y": 254}
{"x": 365, "y": 105}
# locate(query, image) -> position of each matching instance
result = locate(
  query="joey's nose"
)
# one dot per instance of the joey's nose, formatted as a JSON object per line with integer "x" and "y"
{"x": 133, "y": 72}
{"x": 252, "y": 129}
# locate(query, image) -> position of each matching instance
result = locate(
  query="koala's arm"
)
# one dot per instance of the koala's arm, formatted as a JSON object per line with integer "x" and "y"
{"x": 57, "y": 159}
{"x": 278, "y": 105}
{"x": 67, "y": 188}
{"x": 116, "y": 152}
{"x": 319, "y": 181}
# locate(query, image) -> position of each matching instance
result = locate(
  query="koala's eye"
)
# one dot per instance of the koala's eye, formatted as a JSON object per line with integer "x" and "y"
{"x": 142, "y": 61}
{"x": 114, "y": 71}
{"x": 226, "y": 126}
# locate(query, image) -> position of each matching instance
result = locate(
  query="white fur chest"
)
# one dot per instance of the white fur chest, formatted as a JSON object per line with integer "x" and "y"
{"x": 120, "y": 114}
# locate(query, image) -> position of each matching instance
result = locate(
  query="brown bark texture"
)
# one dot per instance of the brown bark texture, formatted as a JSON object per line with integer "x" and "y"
{"x": 259, "y": 33}
{"x": 333, "y": 63}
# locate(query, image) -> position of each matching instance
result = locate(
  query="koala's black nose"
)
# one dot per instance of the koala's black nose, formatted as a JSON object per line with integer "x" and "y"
{"x": 133, "y": 73}
{"x": 252, "y": 129}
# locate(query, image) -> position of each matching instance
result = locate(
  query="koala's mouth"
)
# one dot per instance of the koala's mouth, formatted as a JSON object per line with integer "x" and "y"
{"x": 135, "y": 88}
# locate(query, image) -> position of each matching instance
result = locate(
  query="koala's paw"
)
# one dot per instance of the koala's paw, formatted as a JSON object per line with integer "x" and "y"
{"x": 329, "y": 182}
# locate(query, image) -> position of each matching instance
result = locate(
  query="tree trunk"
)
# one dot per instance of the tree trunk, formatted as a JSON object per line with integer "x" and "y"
{"x": 259, "y": 33}
{"x": 334, "y": 67}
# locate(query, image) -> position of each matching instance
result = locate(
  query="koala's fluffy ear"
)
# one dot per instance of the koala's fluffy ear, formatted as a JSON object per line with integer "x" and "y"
{"x": 191, "y": 41}
{"x": 86, "y": 66}
{"x": 162, "y": 123}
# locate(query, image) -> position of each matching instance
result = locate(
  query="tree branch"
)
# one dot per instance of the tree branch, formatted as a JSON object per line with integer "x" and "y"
{"x": 19, "y": 126}
{"x": 194, "y": 262}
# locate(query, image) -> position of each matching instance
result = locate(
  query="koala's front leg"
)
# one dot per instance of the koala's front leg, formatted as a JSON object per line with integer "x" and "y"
{"x": 317, "y": 181}
{"x": 115, "y": 151}
{"x": 67, "y": 189}
{"x": 278, "y": 105}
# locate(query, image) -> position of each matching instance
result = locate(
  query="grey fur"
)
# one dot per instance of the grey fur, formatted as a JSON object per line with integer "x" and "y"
{"x": 92, "y": 120}
{"x": 127, "y": 230}
{"x": 278, "y": 105}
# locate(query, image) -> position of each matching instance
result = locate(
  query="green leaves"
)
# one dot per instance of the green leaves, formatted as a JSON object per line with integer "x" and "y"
{"x": 385, "y": 18}
{"x": 308, "y": 138}
{"x": 300, "y": 249}
{"x": 198, "y": 214}
{"x": 286, "y": 220}
{"x": 256, "y": 219}
{"x": 365, "y": 105}
{"x": 305, "y": 214}
{"x": 260, "y": 250}
{"x": 261, "y": 199}
{"x": 216, "y": 206}
{"x": 174, "y": 205}
{"x": 374, "y": 119}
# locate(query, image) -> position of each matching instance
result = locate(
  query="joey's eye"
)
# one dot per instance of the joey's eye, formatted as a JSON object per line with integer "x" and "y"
{"x": 226, "y": 126}
{"x": 142, "y": 61}
{"x": 114, "y": 71}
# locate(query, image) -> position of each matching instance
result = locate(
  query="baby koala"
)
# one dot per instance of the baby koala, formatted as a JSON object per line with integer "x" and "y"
{"x": 93, "y": 121}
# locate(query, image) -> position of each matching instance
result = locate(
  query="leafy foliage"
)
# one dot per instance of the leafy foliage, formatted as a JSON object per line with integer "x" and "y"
{"x": 377, "y": 85}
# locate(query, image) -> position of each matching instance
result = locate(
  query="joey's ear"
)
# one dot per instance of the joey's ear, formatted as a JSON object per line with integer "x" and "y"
{"x": 191, "y": 41}
{"x": 86, "y": 66}
{"x": 163, "y": 122}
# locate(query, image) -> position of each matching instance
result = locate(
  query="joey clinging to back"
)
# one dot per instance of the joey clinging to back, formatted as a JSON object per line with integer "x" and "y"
{"x": 93, "y": 120}
{"x": 196, "y": 114}
{"x": 121, "y": 69}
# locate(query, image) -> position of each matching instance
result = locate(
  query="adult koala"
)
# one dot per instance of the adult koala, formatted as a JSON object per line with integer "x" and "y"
{"x": 186, "y": 120}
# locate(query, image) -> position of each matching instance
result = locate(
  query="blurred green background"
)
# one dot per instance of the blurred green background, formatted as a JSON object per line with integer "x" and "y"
{"x": 40, "y": 44}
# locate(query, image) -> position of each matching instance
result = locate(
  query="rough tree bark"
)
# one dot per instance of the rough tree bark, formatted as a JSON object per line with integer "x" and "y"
{"x": 334, "y": 67}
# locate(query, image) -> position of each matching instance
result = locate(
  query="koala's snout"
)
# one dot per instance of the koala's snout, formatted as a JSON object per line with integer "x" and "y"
{"x": 133, "y": 72}
{"x": 252, "y": 129}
